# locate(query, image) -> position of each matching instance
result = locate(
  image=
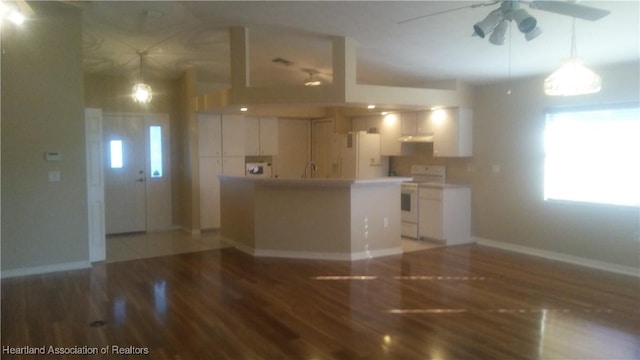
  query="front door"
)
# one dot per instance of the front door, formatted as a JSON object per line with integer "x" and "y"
{"x": 125, "y": 198}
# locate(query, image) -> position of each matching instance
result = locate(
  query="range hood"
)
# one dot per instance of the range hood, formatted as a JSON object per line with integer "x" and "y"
{"x": 416, "y": 138}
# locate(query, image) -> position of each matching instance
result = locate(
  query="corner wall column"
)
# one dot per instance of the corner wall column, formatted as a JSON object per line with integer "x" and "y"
{"x": 239, "y": 47}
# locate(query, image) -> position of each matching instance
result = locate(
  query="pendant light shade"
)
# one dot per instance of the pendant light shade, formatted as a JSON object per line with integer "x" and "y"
{"x": 141, "y": 92}
{"x": 573, "y": 78}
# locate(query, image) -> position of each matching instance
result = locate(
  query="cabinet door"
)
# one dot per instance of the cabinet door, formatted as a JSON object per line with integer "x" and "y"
{"x": 390, "y": 131}
{"x": 445, "y": 136}
{"x": 269, "y": 136}
{"x": 209, "y": 135}
{"x": 408, "y": 123}
{"x": 233, "y": 165}
{"x": 453, "y": 132}
{"x": 233, "y": 135}
{"x": 251, "y": 136}
{"x": 430, "y": 223}
{"x": 423, "y": 122}
{"x": 210, "y": 169}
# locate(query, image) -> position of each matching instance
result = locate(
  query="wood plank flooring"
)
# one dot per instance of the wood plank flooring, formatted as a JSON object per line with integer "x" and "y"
{"x": 463, "y": 302}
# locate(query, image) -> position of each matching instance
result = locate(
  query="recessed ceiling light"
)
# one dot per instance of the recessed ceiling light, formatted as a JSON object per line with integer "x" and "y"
{"x": 371, "y": 107}
{"x": 244, "y": 108}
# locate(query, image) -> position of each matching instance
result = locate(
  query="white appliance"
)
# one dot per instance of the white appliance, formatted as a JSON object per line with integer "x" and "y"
{"x": 356, "y": 155}
{"x": 259, "y": 169}
{"x": 410, "y": 193}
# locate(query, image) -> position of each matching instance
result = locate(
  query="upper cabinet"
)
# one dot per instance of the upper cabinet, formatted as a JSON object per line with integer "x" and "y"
{"x": 452, "y": 132}
{"x": 261, "y": 136}
{"x": 209, "y": 135}
{"x": 393, "y": 126}
{"x": 233, "y": 134}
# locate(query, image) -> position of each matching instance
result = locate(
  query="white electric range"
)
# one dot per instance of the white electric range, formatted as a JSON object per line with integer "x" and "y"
{"x": 421, "y": 174}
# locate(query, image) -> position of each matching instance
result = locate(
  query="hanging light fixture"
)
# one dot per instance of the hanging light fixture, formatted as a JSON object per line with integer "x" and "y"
{"x": 141, "y": 92}
{"x": 573, "y": 78}
{"x": 311, "y": 81}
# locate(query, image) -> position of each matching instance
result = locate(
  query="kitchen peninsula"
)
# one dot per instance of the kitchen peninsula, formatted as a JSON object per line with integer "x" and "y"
{"x": 336, "y": 219}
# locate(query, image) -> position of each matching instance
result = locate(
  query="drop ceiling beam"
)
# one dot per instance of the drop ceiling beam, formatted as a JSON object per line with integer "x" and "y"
{"x": 344, "y": 89}
{"x": 239, "y": 49}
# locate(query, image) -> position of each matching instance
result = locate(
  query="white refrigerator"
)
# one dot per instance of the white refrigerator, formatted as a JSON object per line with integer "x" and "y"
{"x": 356, "y": 155}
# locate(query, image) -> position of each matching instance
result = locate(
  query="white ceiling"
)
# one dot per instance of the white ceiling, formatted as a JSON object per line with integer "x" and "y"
{"x": 180, "y": 34}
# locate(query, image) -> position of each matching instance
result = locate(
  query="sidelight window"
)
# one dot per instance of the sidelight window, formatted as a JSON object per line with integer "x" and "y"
{"x": 155, "y": 151}
{"x": 115, "y": 154}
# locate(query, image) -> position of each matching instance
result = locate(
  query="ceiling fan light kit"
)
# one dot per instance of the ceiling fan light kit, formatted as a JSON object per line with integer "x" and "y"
{"x": 498, "y": 35}
{"x": 498, "y": 20}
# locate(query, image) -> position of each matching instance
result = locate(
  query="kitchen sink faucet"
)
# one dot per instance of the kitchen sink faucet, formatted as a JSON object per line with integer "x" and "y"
{"x": 313, "y": 165}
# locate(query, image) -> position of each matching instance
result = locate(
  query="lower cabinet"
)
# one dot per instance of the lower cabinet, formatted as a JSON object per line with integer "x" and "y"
{"x": 210, "y": 169}
{"x": 445, "y": 214}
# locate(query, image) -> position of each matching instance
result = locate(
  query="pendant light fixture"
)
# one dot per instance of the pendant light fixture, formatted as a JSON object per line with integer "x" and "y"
{"x": 311, "y": 81}
{"x": 573, "y": 78}
{"x": 141, "y": 92}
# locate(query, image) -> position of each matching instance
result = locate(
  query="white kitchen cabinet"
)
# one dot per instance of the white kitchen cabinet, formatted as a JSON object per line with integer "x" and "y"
{"x": 233, "y": 135}
{"x": 391, "y": 129}
{"x": 408, "y": 122}
{"x": 423, "y": 122}
{"x": 210, "y": 169}
{"x": 261, "y": 136}
{"x": 209, "y": 135}
{"x": 452, "y": 132}
{"x": 445, "y": 214}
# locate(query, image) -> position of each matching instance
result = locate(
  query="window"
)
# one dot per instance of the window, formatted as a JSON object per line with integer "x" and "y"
{"x": 155, "y": 151}
{"x": 593, "y": 156}
{"x": 115, "y": 153}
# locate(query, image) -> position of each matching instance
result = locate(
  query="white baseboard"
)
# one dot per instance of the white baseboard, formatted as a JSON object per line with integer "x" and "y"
{"x": 575, "y": 260}
{"x": 36, "y": 270}
{"x": 314, "y": 255}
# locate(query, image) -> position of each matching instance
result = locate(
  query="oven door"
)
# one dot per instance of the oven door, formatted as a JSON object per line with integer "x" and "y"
{"x": 409, "y": 203}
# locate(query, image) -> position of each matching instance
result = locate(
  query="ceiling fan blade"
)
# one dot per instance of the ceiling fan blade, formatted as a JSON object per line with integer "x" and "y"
{"x": 447, "y": 11}
{"x": 571, "y": 9}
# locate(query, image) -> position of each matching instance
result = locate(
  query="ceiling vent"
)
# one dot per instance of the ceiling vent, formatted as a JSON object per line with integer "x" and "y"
{"x": 282, "y": 61}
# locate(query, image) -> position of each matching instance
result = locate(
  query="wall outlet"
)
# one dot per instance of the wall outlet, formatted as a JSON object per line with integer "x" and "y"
{"x": 386, "y": 222}
{"x": 54, "y": 176}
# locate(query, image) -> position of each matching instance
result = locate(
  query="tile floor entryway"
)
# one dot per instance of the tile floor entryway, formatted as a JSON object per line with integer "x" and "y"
{"x": 153, "y": 244}
{"x": 147, "y": 245}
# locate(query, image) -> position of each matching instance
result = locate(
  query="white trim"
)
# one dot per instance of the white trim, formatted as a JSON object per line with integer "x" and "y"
{"x": 314, "y": 255}
{"x": 362, "y": 255}
{"x": 37, "y": 270}
{"x": 570, "y": 259}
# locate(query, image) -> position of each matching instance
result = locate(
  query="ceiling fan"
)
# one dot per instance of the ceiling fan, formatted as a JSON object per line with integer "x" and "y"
{"x": 497, "y": 21}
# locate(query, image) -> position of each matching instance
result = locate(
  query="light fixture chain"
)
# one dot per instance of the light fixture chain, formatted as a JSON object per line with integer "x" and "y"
{"x": 574, "y": 52}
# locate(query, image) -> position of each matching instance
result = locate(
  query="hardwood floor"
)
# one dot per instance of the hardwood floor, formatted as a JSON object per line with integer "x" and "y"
{"x": 464, "y": 302}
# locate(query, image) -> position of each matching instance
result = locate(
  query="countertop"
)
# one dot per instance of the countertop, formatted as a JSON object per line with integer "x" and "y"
{"x": 316, "y": 182}
{"x": 436, "y": 185}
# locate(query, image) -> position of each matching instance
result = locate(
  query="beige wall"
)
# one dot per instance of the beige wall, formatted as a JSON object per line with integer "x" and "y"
{"x": 43, "y": 224}
{"x": 508, "y": 206}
